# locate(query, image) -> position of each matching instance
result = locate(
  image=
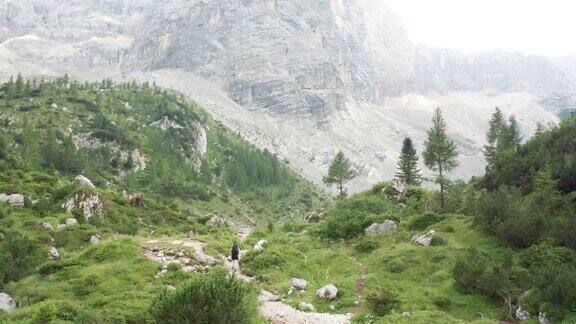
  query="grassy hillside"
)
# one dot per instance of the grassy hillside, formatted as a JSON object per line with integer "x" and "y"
{"x": 139, "y": 138}
{"x": 160, "y": 166}
{"x": 503, "y": 246}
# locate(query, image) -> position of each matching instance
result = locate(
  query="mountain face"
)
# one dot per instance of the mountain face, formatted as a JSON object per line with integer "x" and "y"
{"x": 302, "y": 78}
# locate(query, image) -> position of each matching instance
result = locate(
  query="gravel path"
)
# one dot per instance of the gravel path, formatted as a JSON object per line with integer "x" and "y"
{"x": 271, "y": 306}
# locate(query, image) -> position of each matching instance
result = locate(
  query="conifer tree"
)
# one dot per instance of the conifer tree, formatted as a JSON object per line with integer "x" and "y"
{"x": 9, "y": 90}
{"x": 19, "y": 85}
{"x": 340, "y": 171}
{"x": 510, "y": 138}
{"x": 440, "y": 152}
{"x": 497, "y": 125}
{"x": 408, "y": 170}
{"x": 50, "y": 152}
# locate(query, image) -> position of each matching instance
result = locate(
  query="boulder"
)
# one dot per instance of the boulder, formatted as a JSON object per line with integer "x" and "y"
{"x": 216, "y": 221}
{"x": 389, "y": 226}
{"x": 53, "y": 254}
{"x": 543, "y": 319}
{"x": 16, "y": 200}
{"x": 7, "y": 304}
{"x": 91, "y": 205}
{"x": 82, "y": 181}
{"x": 306, "y": 307}
{"x": 71, "y": 222}
{"x": 47, "y": 226}
{"x": 299, "y": 284}
{"x": 260, "y": 245}
{"x": 328, "y": 292}
{"x": 522, "y": 314}
{"x": 424, "y": 239}
{"x": 95, "y": 239}
{"x": 314, "y": 217}
{"x": 204, "y": 258}
{"x": 170, "y": 288}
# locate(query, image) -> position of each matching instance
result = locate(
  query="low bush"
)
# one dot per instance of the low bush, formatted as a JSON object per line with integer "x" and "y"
{"x": 367, "y": 244}
{"x": 19, "y": 255}
{"x": 382, "y": 300}
{"x": 345, "y": 224}
{"x": 213, "y": 298}
{"x": 478, "y": 272}
{"x": 257, "y": 260}
{"x": 422, "y": 222}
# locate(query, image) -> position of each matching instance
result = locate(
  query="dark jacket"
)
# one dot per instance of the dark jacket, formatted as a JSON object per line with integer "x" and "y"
{"x": 235, "y": 252}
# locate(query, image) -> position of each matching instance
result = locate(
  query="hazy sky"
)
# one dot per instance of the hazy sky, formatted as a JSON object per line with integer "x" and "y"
{"x": 532, "y": 26}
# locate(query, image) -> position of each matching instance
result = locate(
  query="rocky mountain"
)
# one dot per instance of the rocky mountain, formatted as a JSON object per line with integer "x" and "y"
{"x": 302, "y": 78}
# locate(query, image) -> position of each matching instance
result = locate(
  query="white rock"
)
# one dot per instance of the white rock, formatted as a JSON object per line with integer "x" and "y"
{"x": 306, "y": 307}
{"x": 260, "y": 245}
{"x": 204, "y": 259}
{"x": 7, "y": 304}
{"x": 170, "y": 288}
{"x": 389, "y": 226}
{"x": 91, "y": 205}
{"x": 328, "y": 292}
{"x": 16, "y": 200}
{"x": 53, "y": 254}
{"x": 521, "y": 314}
{"x": 216, "y": 221}
{"x": 54, "y": 105}
{"x": 82, "y": 181}
{"x": 299, "y": 284}
{"x": 47, "y": 226}
{"x": 542, "y": 318}
{"x": 95, "y": 239}
{"x": 424, "y": 239}
{"x": 71, "y": 222}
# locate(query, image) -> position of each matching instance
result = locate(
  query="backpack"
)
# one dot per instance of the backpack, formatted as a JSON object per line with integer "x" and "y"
{"x": 235, "y": 249}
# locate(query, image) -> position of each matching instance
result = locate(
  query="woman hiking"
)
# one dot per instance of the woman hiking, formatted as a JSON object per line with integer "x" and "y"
{"x": 235, "y": 254}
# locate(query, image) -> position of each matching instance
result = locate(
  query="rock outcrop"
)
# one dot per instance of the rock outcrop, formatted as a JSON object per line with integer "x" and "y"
{"x": 260, "y": 245}
{"x": 328, "y": 292}
{"x": 389, "y": 226}
{"x": 83, "y": 182}
{"x": 53, "y": 254}
{"x": 95, "y": 239}
{"x": 16, "y": 200}
{"x": 91, "y": 205}
{"x": 299, "y": 284}
{"x": 216, "y": 221}
{"x": 7, "y": 304}
{"x": 424, "y": 239}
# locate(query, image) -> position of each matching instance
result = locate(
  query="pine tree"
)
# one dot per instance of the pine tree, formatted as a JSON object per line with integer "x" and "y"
{"x": 340, "y": 171}
{"x": 50, "y": 152}
{"x": 497, "y": 125}
{"x": 19, "y": 85}
{"x": 511, "y": 138}
{"x": 29, "y": 144}
{"x": 440, "y": 152}
{"x": 408, "y": 170}
{"x": 9, "y": 90}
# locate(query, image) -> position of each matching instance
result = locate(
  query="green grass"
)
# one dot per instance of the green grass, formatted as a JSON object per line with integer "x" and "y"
{"x": 422, "y": 276}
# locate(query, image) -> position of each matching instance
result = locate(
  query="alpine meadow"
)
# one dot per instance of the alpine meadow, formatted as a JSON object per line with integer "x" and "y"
{"x": 287, "y": 161}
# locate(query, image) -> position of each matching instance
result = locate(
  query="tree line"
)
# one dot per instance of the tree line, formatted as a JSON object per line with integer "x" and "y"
{"x": 440, "y": 154}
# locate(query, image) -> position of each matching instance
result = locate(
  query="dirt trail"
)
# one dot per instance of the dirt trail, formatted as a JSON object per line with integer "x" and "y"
{"x": 273, "y": 309}
{"x": 279, "y": 313}
{"x": 271, "y": 306}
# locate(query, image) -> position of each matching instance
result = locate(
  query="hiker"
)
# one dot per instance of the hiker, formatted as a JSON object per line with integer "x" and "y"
{"x": 235, "y": 253}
